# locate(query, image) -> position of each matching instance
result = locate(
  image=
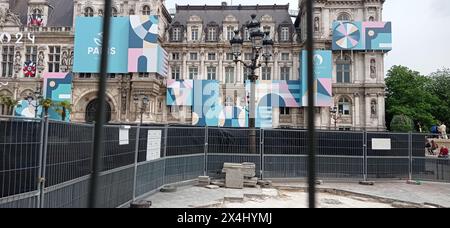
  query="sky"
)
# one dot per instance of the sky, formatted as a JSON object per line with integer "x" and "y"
{"x": 421, "y": 30}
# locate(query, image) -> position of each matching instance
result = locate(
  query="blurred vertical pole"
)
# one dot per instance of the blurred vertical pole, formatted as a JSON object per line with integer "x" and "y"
{"x": 100, "y": 115}
{"x": 311, "y": 127}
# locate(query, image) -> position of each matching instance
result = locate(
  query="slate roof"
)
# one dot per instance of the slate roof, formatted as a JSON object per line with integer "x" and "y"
{"x": 60, "y": 12}
{"x": 209, "y": 13}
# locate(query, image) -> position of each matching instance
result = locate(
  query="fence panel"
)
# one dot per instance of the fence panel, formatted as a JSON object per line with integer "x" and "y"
{"x": 19, "y": 156}
{"x": 72, "y": 194}
{"x": 185, "y": 141}
{"x": 69, "y": 152}
{"x": 150, "y": 176}
{"x": 183, "y": 168}
{"x": 116, "y": 187}
{"x": 115, "y": 154}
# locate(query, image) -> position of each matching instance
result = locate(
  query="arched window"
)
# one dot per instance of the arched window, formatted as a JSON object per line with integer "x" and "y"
{"x": 88, "y": 12}
{"x": 91, "y": 110}
{"x": 100, "y": 12}
{"x": 131, "y": 12}
{"x": 37, "y": 12}
{"x": 146, "y": 10}
{"x": 344, "y": 17}
{"x": 343, "y": 69}
{"x": 371, "y": 18}
{"x": 344, "y": 106}
{"x": 114, "y": 12}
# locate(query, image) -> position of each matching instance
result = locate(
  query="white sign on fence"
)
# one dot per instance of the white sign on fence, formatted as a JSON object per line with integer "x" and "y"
{"x": 153, "y": 145}
{"x": 124, "y": 134}
{"x": 381, "y": 144}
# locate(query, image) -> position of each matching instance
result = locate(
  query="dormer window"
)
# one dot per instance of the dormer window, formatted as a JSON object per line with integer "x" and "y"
{"x": 230, "y": 32}
{"x": 176, "y": 34}
{"x": 146, "y": 10}
{"x": 284, "y": 34}
{"x": 88, "y": 12}
{"x": 212, "y": 34}
{"x": 194, "y": 33}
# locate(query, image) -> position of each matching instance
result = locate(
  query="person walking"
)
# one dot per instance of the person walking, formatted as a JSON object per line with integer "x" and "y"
{"x": 443, "y": 131}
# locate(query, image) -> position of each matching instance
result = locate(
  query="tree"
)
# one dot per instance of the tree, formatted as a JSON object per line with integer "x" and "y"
{"x": 9, "y": 102}
{"x": 63, "y": 108}
{"x": 440, "y": 87}
{"x": 408, "y": 94}
{"x": 46, "y": 105}
{"x": 402, "y": 123}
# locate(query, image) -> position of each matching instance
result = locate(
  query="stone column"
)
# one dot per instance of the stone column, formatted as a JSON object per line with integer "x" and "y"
{"x": 380, "y": 107}
{"x": 202, "y": 70}
{"x": 275, "y": 70}
{"x": 185, "y": 74}
{"x": 357, "y": 119}
{"x": 367, "y": 111}
{"x": 220, "y": 69}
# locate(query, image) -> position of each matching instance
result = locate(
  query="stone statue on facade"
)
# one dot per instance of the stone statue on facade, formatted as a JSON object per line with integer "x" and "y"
{"x": 373, "y": 108}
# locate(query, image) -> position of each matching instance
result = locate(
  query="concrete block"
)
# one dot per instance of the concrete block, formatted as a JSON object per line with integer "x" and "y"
{"x": 212, "y": 187}
{"x": 234, "y": 179}
{"x": 370, "y": 183}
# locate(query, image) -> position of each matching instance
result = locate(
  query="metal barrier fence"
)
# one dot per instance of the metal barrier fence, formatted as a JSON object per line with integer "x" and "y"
{"x": 49, "y": 163}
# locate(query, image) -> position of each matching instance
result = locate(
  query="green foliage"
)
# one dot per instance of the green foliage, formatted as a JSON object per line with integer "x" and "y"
{"x": 9, "y": 102}
{"x": 402, "y": 123}
{"x": 63, "y": 108}
{"x": 440, "y": 87}
{"x": 409, "y": 94}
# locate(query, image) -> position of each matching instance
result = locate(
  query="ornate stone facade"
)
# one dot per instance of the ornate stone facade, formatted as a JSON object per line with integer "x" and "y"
{"x": 197, "y": 40}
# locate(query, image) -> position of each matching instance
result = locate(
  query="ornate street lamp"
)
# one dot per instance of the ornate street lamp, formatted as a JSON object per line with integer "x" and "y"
{"x": 335, "y": 115}
{"x": 262, "y": 44}
{"x": 144, "y": 102}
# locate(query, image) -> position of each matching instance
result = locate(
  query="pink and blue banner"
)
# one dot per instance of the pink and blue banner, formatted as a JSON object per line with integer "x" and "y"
{"x": 323, "y": 70}
{"x": 369, "y": 35}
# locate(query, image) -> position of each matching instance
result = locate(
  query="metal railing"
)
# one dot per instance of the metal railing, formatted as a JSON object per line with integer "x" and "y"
{"x": 45, "y": 163}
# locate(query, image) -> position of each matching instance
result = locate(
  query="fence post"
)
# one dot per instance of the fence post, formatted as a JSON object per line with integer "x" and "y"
{"x": 410, "y": 155}
{"x": 205, "y": 171}
{"x": 166, "y": 133}
{"x": 261, "y": 150}
{"x": 41, "y": 149}
{"x": 365, "y": 155}
{"x": 43, "y": 163}
{"x": 136, "y": 156}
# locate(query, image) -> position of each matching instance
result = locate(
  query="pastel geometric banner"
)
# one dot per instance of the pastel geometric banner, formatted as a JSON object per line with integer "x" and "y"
{"x": 27, "y": 109}
{"x": 207, "y": 105}
{"x": 133, "y": 46}
{"x": 233, "y": 116}
{"x": 180, "y": 93}
{"x": 277, "y": 93}
{"x": 144, "y": 53}
{"x": 88, "y": 45}
{"x": 322, "y": 87}
{"x": 362, "y": 36}
{"x": 58, "y": 88}
{"x": 378, "y": 35}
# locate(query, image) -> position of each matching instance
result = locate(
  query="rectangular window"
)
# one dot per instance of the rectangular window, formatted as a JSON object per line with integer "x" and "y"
{"x": 343, "y": 73}
{"x": 176, "y": 34}
{"x": 285, "y": 111}
{"x": 175, "y": 56}
{"x": 229, "y": 75}
{"x": 85, "y": 75}
{"x": 211, "y": 56}
{"x": 212, "y": 34}
{"x": 144, "y": 75}
{"x": 176, "y": 73}
{"x": 285, "y": 34}
{"x": 193, "y": 56}
{"x": 246, "y": 34}
{"x": 248, "y": 56}
{"x": 193, "y": 73}
{"x": 54, "y": 58}
{"x": 7, "y": 61}
{"x": 285, "y": 73}
{"x": 230, "y": 32}
{"x": 31, "y": 54}
{"x": 285, "y": 56}
{"x": 230, "y": 56}
{"x": 266, "y": 73}
{"x": 247, "y": 73}
{"x": 211, "y": 71}
{"x": 194, "y": 31}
